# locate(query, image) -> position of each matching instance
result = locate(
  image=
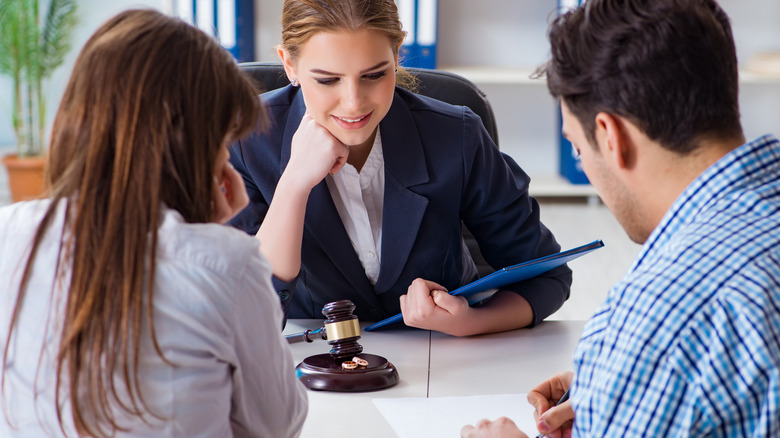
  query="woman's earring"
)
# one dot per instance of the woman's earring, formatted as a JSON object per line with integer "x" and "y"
{"x": 294, "y": 82}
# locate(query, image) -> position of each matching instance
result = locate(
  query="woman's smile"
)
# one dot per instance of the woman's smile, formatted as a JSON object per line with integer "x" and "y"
{"x": 353, "y": 122}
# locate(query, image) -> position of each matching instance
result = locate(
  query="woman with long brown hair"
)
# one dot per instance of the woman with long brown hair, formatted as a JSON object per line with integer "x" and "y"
{"x": 124, "y": 311}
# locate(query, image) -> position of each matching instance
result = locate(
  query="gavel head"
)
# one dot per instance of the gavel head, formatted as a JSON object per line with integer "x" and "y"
{"x": 342, "y": 329}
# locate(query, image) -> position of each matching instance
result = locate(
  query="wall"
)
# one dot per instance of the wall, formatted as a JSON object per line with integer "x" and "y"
{"x": 756, "y": 29}
{"x": 268, "y": 17}
{"x": 494, "y": 34}
{"x": 498, "y": 43}
{"x": 92, "y": 13}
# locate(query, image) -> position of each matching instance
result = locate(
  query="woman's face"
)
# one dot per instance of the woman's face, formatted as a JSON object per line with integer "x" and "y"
{"x": 347, "y": 80}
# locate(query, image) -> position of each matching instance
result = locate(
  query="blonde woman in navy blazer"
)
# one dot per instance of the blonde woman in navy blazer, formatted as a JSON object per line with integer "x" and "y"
{"x": 440, "y": 168}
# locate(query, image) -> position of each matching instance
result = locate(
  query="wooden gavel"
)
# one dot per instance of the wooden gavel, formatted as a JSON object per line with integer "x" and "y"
{"x": 327, "y": 372}
{"x": 341, "y": 330}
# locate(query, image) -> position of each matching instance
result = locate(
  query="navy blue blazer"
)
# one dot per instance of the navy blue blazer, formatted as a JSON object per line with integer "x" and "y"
{"x": 441, "y": 168}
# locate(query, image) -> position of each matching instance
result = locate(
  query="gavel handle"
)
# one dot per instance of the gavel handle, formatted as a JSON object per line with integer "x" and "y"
{"x": 308, "y": 336}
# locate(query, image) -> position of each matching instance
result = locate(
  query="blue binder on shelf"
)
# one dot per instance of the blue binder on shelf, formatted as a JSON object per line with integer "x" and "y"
{"x": 232, "y": 22}
{"x": 244, "y": 48}
{"x": 420, "y": 21}
{"x": 486, "y": 286}
{"x": 569, "y": 165}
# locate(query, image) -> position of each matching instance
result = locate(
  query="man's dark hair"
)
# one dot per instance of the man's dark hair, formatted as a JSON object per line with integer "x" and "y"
{"x": 668, "y": 66}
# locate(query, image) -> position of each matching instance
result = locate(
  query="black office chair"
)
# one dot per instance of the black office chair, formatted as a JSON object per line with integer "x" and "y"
{"x": 438, "y": 84}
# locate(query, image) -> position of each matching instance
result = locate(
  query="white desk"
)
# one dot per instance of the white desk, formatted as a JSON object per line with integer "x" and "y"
{"x": 431, "y": 364}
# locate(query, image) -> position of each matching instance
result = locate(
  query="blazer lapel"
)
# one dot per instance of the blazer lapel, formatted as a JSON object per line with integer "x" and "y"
{"x": 294, "y": 117}
{"x": 324, "y": 225}
{"x": 404, "y": 209}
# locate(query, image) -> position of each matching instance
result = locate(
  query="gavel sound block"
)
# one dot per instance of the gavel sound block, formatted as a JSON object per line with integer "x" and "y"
{"x": 326, "y": 372}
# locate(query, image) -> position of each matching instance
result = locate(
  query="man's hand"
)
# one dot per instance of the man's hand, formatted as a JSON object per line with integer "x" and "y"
{"x": 551, "y": 420}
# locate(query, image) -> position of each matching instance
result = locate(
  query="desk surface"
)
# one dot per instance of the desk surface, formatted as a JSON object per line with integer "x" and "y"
{"x": 431, "y": 364}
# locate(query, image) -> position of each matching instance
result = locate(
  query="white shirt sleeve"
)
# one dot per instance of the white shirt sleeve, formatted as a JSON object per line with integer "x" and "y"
{"x": 268, "y": 398}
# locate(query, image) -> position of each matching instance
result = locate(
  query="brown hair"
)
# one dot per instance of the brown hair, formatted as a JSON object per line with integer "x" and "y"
{"x": 150, "y": 102}
{"x": 303, "y": 18}
{"x": 669, "y": 66}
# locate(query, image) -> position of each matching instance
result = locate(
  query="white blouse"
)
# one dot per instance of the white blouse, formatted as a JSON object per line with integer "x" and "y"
{"x": 359, "y": 199}
{"x": 217, "y": 319}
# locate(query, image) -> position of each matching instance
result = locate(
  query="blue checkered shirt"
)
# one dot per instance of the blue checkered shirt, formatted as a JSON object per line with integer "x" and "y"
{"x": 688, "y": 343}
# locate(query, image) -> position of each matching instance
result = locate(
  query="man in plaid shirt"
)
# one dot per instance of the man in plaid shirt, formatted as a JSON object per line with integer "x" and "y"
{"x": 688, "y": 343}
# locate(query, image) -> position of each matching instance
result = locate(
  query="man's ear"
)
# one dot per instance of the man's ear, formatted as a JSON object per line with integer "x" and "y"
{"x": 615, "y": 141}
{"x": 286, "y": 59}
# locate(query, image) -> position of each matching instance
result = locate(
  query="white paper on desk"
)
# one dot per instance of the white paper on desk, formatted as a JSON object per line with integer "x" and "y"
{"x": 446, "y": 416}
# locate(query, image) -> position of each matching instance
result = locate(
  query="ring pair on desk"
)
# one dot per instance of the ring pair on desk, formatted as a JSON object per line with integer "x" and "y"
{"x": 333, "y": 371}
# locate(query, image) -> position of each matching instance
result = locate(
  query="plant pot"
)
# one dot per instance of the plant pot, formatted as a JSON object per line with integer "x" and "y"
{"x": 25, "y": 176}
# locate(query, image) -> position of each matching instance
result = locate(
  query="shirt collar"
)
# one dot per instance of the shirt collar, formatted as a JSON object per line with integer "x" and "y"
{"x": 736, "y": 170}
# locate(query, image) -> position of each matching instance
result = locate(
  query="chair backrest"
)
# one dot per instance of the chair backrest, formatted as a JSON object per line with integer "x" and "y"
{"x": 438, "y": 84}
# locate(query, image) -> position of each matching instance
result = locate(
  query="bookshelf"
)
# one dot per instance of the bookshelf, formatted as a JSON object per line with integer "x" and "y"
{"x": 498, "y": 44}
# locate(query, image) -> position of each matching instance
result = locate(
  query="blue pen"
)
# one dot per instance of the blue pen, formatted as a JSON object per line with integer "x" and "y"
{"x": 563, "y": 399}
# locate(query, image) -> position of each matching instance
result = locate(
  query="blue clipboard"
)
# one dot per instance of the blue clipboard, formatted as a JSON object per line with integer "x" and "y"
{"x": 478, "y": 290}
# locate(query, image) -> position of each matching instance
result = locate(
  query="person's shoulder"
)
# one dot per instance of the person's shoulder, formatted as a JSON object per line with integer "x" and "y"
{"x": 743, "y": 220}
{"x": 280, "y": 97}
{"x": 31, "y": 207}
{"x": 23, "y": 214}
{"x": 216, "y": 271}
{"x": 6, "y": 212}
{"x": 729, "y": 253}
{"x": 220, "y": 248}
{"x": 440, "y": 124}
{"x": 278, "y": 104}
{"x": 418, "y": 103}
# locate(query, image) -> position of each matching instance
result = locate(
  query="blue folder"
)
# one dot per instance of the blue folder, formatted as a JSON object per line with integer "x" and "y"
{"x": 486, "y": 286}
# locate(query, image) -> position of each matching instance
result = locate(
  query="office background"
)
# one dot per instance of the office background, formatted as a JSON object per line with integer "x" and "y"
{"x": 497, "y": 44}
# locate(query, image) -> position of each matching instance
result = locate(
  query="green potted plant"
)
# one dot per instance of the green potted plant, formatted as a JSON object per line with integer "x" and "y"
{"x": 32, "y": 46}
